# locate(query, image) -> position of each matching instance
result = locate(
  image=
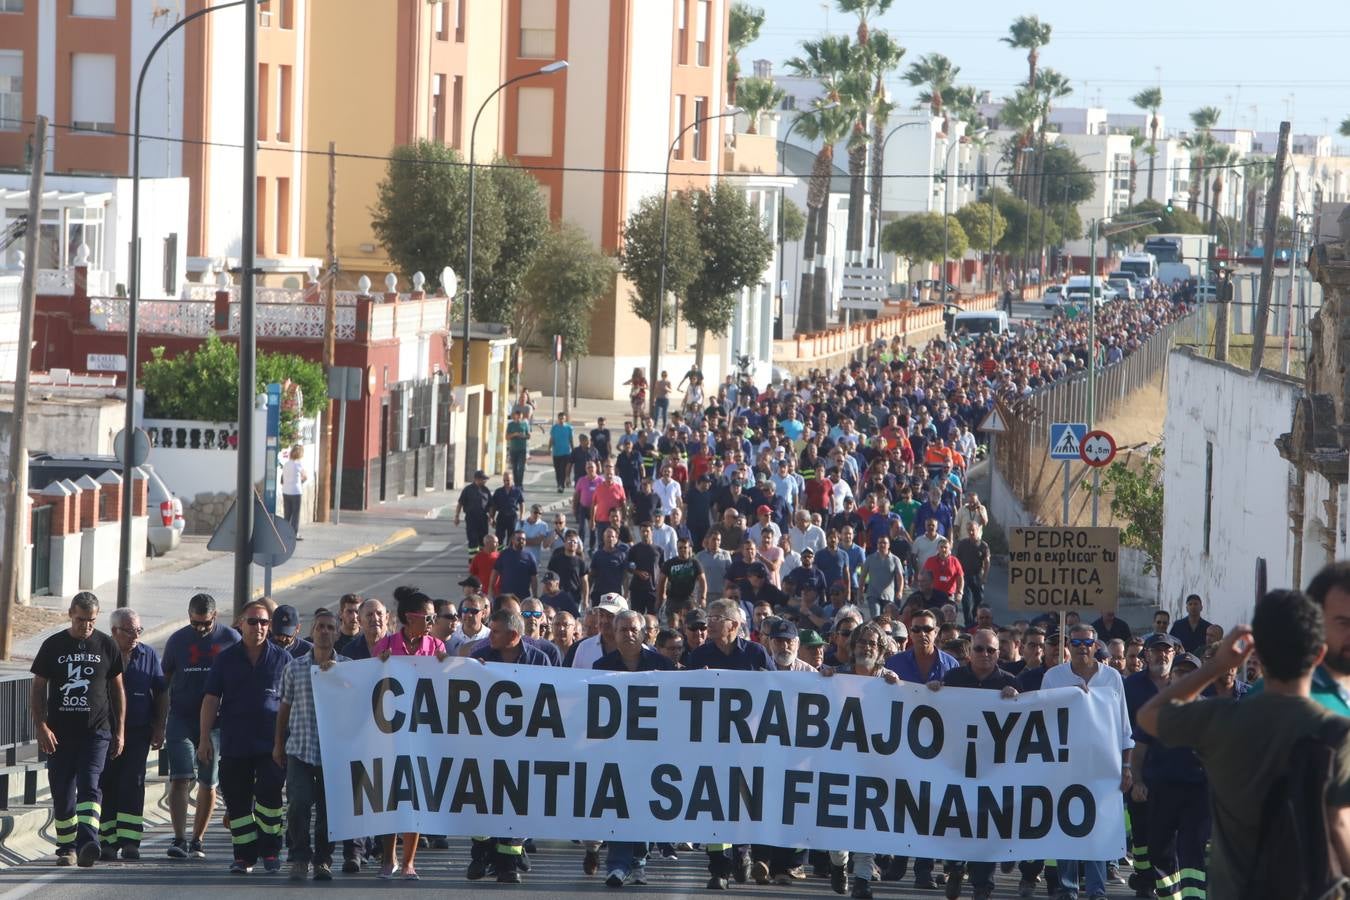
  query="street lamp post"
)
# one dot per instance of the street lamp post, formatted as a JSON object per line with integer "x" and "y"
{"x": 876, "y": 213}
{"x": 556, "y": 66}
{"x": 665, "y": 223}
{"x": 946, "y": 213}
{"x": 133, "y": 298}
{"x": 782, "y": 193}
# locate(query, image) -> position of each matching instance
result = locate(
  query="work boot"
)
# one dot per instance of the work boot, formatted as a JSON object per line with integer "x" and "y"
{"x": 479, "y": 854}
{"x": 862, "y": 889}
{"x": 507, "y": 873}
{"x": 839, "y": 879}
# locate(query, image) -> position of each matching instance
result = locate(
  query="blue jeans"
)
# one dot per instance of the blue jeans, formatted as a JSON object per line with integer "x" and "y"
{"x": 625, "y": 856}
{"x": 1068, "y": 877}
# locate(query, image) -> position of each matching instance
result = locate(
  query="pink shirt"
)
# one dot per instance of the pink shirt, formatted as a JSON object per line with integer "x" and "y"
{"x": 427, "y": 646}
{"x": 586, "y": 486}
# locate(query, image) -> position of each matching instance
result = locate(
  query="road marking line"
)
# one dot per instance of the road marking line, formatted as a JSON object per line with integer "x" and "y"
{"x": 450, "y": 548}
{"x": 431, "y": 547}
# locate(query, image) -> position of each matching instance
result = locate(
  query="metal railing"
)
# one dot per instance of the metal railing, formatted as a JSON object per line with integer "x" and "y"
{"x": 1067, "y": 401}
{"x": 17, "y": 732}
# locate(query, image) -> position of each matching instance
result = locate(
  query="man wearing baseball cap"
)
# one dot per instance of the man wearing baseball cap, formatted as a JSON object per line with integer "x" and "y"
{"x": 584, "y": 654}
{"x": 285, "y": 631}
{"x": 1160, "y": 651}
{"x": 811, "y": 647}
{"x": 474, "y": 502}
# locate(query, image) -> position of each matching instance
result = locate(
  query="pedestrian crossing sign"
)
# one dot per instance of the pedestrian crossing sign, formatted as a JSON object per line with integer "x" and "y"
{"x": 1066, "y": 438}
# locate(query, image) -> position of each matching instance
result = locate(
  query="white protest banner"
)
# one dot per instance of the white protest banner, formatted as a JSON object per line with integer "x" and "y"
{"x": 785, "y": 758}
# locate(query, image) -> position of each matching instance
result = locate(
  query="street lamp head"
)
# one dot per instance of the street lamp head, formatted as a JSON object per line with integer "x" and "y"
{"x": 732, "y": 111}
{"x": 556, "y": 66}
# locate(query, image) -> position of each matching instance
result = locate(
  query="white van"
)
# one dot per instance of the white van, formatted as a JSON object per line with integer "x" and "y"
{"x": 994, "y": 321}
{"x": 1079, "y": 286}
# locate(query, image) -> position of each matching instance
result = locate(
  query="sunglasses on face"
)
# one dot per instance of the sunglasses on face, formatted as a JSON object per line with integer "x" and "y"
{"x": 469, "y": 611}
{"x": 983, "y": 649}
{"x": 922, "y": 629}
{"x": 1082, "y": 642}
{"x": 532, "y": 613}
{"x": 449, "y": 616}
{"x": 255, "y": 621}
{"x": 702, "y": 626}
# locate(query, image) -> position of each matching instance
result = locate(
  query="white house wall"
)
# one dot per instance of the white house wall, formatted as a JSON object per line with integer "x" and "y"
{"x": 1241, "y": 416}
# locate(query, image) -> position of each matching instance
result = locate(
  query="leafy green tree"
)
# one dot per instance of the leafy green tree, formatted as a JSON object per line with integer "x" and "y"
{"x": 976, "y": 221}
{"x": 568, "y": 275}
{"x": 794, "y": 221}
{"x": 497, "y": 296}
{"x": 422, "y": 209}
{"x": 736, "y": 250}
{"x": 640, "y": 261}
{"x": 919, "y": 237}
{"x": 1136, "y": 494}
{"x": 1066, "y": 178}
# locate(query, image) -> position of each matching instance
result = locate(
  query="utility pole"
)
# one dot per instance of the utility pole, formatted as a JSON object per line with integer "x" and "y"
{"x": 325, "y": 461}
{"x": 1293, "y": 270}
{"x": 1268, "y": 258}
{"x": 18, "y": 438}
{"x": 248, "y": 345}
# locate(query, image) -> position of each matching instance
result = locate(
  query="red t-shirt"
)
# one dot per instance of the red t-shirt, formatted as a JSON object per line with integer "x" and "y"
{"x": 481, "y": 565}
{"x": 818, "y": 494}
{"x": 945, "y": 572}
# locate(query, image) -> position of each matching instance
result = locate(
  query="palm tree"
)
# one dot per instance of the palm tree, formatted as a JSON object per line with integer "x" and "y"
{"x": 1222, "y": 157}
{"x": 856, "y": 95}
{"x": 962, "y": 103}
{"x": 1151, "y": 100}
{"x": 746, "y": 21}
{"x": 1136, "y": 141}
{"x": 884, "y": 54}
{"x": 831, "y": 61}
{"x": 865, "y": 10}
{"x": 1345, "y": 127}
{"x": 756, "y": 96}
{"x": 1019, "y": 114}
{"x": 1050, "y": 86}
{"x": 1258, "y": 173}
{"x": 1028, "y": 33}
{"x": 936, "y": 73}
{"x": 1204, "y": 119}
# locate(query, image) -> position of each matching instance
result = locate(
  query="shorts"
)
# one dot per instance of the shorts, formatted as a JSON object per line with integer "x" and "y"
{"x": 180, "y": 743}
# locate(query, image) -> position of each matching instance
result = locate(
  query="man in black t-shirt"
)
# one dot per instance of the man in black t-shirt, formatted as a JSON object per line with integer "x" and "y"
{"x": 78, "y": 704}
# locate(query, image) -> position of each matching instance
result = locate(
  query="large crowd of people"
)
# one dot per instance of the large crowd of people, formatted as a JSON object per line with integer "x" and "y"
{"x": 825, "y": 524}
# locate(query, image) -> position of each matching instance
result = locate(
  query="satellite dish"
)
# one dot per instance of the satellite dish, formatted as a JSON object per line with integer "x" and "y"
{"x": 449, "y": 281}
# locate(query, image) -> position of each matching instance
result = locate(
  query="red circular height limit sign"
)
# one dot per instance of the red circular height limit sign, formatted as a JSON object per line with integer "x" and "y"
{"x": 1098, "y": 448}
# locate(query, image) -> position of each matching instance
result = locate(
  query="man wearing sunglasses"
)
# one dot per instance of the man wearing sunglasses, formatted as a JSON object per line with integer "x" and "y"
{"x": 188, "y": 657}
{"x": 447, "y": 617}
{"x": 981, "y": 672}
{"x": 244, "y": 689}
{"x": 1084, "y": 671}
{"x": 922, "y": 663}
{"x": 123, "y": 780}
{"x": 472, "y": 624}
{"x": 532, "y": 614}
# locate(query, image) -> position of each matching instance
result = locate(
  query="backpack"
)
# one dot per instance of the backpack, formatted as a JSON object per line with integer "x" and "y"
{"x": 1295, "y": 856}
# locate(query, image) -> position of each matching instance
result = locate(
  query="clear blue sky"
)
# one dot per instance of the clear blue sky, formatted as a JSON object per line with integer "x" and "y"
{"x": 1250, "y": 67}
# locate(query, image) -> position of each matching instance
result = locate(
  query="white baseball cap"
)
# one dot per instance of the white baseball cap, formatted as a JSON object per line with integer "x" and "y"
{"x": 612, "y": 603}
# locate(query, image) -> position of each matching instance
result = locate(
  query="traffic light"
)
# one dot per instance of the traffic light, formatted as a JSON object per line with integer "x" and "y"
{"x": 1169, "y": 209}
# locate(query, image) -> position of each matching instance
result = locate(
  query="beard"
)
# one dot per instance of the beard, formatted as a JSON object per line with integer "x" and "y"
{"x": 865, "y": 659}
{"x": 784, "y": 660}
{"x": 1338, "y": 662}
{"x": 1161, "y": 670}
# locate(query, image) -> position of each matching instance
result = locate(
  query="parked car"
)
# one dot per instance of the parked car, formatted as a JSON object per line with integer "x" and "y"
{"x": 974, "y": 322}
{"x": 1124, "y": 287}
{"x": 929, "y": 287}
{"x": 1053, "y": 296}
{"x": 165, "y": 509}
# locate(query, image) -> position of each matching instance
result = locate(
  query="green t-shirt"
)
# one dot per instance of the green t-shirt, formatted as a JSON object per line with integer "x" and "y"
{"x": 518, "y": 435}
{"x": 907, "y": 509}
{"x": 1244, "y": 745}
{"x": 1326, "y": 690}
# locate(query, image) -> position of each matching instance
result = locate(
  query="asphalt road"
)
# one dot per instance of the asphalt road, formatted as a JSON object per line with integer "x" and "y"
{"x": 555, "y": 872}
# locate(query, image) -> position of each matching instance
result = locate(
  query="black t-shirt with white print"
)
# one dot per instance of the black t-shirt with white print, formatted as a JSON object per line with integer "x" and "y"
{"x": 78, "y": 673}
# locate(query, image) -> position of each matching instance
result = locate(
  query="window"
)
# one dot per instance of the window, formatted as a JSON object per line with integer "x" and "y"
{"x": 683, "y": 39}
{"x": 440, "y": 21}
{"x": 260, "y": 216}
{"x": 678, "y": 130}
{"x": 459, "y": 21}
{"x": 264, "y": 121}
{"x": 438, "y": 109}
{"x": 537, "y": 23}
{"x": 11, "y": 6}
{"x": 286, "y": 10}
{"x": 534, "y": 121}
{"x": 1209, "y": 490}
{"x": 171, "y": 265}
{"x": 283, "y": 241}
{"x": 284, "y": 89}
{"x": 100, "y": 9}
{"x": 93, "y": 91}
{"x": 701, "y": 129}
{"x": 11, "y": 89}
{"x": 704, "y": 26}
{"x": 84, "y": 225}
{"x": 457, "y": 114}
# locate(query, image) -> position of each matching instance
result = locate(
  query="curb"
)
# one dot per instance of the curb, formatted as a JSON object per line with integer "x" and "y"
{"x": 155, "y": 635}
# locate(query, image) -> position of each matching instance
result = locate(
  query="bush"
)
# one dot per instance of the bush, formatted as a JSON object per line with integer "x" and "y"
{"x": 204, "y": 384}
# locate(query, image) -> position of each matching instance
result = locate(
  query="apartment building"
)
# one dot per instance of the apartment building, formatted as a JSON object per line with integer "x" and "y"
{"x": 77, "y": 63}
